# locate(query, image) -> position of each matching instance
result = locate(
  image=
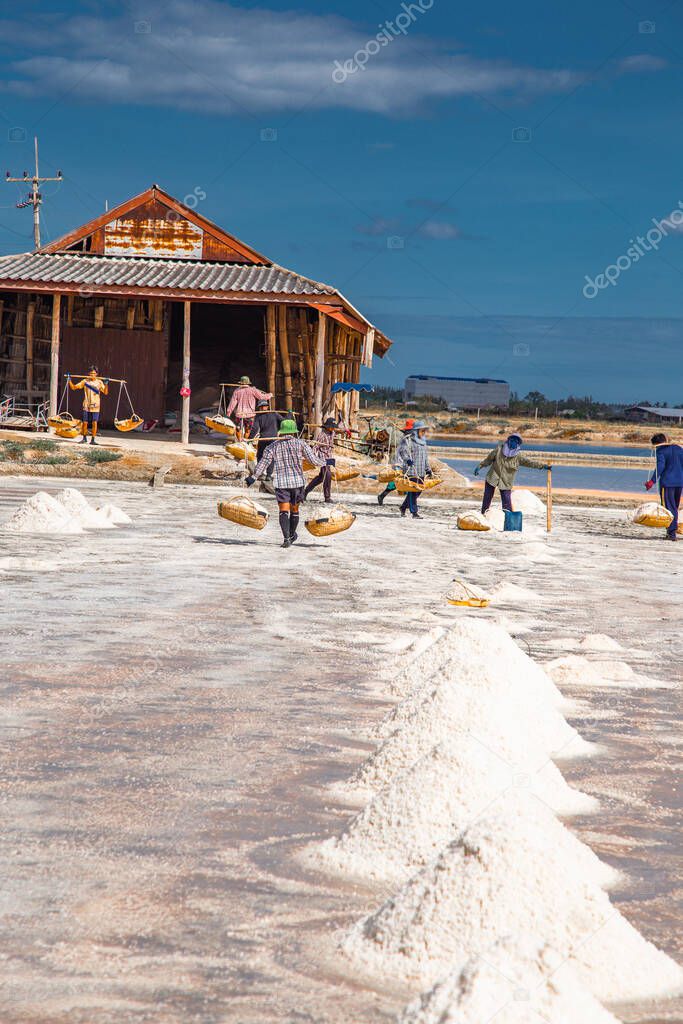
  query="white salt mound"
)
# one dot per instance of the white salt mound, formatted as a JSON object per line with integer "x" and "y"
{"x": 512, "y": 593}
{"x": 495, "y": 517}
{"x": 527, "y": 502}
{"x": 574, "y": 669}
{"x": 115, "y": 515}
{"x": 517, "y": 981}
{"x": 41, "y": 513}
{"x": 77, "y": 506}
{"x": 408, "y": 823}
{"x": 599, "y": 642}
{"x": 508, "y": 876}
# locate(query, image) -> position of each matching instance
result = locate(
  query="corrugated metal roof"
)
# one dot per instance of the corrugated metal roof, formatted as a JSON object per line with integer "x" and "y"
{"x": 135, "y": 272}
{"x": 658, "y": 410}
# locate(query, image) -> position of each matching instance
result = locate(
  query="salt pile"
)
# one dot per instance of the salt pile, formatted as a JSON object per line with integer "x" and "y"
{"x": 41, "y": 513}
{"x": 513, "y": 593}
{"x": 409, "y": 822}
{"x": 77, "y": 506}
{"x": 527, "y": 502}
{"x": 508, "y": 876}
{"x": 495, "y": 517}
{"x": 115, "y": 515}
{"x": 515, "y": 982}
{"x": 599, "y": 642}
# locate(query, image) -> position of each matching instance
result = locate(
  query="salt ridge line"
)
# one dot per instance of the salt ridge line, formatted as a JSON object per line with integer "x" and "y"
{"x": 516, "y": 981}
{"x": 507, "y": 876}
{"x": 407, "y": 824}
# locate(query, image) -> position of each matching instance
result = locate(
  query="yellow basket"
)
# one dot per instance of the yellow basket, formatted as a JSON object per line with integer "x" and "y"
{"x": 342, "y": 473}
{"x": 470, "y": 602}
{"x": 653, "y": 515}
{"x": 386, "y": 474}
{"x": 132, "y": 423}
{"x": 326, "y": 526}
{"x": 64, "y": 421}
{"x": 221, "y": 424}
{"x": 403, "y": 485}
{"x": 241, "y": 450}
{"x": 469, "y": 521}
{"x": 244, "y": 512}
{"x": 308, "y": 466}
{"x": 67, "y": 431}
{"x": 465, "y": 596}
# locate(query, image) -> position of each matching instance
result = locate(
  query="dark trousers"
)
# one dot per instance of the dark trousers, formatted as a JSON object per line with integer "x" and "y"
{"x": 489, "y": 491}
{"x": 410, "y": 500}
{"x": 671, "y": 498}
{"x": 324, "y": 477}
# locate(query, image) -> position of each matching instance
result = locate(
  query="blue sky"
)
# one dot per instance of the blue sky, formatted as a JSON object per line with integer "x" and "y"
{"x": 458, "y": 186}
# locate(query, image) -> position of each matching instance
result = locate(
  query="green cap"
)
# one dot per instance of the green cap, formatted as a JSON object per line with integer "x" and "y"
{"x": 288, "y": 427}
{"x": 245, "y": 380}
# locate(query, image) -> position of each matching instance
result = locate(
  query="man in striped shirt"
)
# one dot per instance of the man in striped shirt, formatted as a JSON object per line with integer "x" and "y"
{"x": 323, "y": 444}
{"x": 284, "y": 459}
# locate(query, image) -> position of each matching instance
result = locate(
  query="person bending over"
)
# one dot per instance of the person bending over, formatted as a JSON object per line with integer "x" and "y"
{"x": 92, "y": 387}
{"x": 284, "y": 458}
{"x": 504, "y": 461}
{"x": 668, "y": 474}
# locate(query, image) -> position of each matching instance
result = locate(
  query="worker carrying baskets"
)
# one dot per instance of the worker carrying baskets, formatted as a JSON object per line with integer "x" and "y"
{"x": 323, "y": 444}
{"x": 243, "y": 405}
{"x": 284, "y": 458}
{"x": 92, "y": 387}
{"x": 412, "y": 459}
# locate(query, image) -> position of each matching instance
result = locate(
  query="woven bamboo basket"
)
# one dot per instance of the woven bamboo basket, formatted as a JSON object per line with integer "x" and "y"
{"x": 241, "y": 450}
{"x": 132, "y": 423}
{"x": 244, "y": 512}
{"x": 465, "y": 596}
{"x": 336, "y": 521}
{"x": 221, "y": 424}
{"x": 403, "y": 485}
{"x": 341, "y": 473}
{"x": 473, "y": 521}
{"x": 67, "y": 431}
{"x": 386, "y": 474}
{"x": 63, "y": 421}
{"x": 652, "y": 514}
{"x": 308, "y": 466}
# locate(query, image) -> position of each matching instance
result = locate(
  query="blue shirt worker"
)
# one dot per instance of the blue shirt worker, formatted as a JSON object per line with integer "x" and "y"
{"x": 668, "y": 475}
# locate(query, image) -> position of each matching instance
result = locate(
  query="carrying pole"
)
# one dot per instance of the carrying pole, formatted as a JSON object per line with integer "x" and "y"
{"x": 549, "y": 501}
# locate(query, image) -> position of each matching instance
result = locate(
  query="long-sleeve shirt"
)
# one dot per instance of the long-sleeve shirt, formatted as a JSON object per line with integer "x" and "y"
{"x": 244, "y": 399}
{"x": 412, "y": 457}
{"x": 266, "y": 424}
{"x": 92, "y": 388}
{"x": 669, "y": 471}
{"x": 284, "y": 458}
{"x": 323, "y": 443}
{"x": 504, "y": 467}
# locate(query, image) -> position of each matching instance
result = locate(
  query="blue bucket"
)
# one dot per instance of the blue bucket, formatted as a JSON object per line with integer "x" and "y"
{"x": 513, "y": 522}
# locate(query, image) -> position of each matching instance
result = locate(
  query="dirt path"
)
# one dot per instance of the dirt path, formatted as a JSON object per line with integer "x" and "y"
{"x": 177, "y": 695}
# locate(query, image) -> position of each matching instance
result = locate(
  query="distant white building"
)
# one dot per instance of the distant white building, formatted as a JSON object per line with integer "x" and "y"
{"x": 459, "y": 392}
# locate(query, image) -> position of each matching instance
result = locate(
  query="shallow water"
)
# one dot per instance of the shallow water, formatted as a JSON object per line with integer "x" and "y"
{"x": 550, "y": 446}
{"x": 594, "y": 478}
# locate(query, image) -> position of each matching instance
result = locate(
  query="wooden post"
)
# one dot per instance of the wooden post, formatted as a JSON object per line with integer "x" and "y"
{"x": 30, "y": 317}
{"x": 549, "y": 501}
{"x": 319, "y": 368}
{"x": 158, "y": 315}
{"x": 284, "y": 354}
{"x": 99, "y": 315}
{"x": 130, "y": 316}
{"x": 271, "y": 347}
{"x": 69, "y": 309}
{"x": 185, "y": 413}
{"x": 54, "y": 354}
{"x": 308, "y": 368}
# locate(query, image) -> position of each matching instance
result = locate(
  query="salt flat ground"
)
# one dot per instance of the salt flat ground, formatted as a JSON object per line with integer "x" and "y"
{"x": 178, "y": 694}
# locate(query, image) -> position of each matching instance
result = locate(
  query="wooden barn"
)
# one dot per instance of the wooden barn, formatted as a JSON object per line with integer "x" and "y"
{"x": 153, "y": 292}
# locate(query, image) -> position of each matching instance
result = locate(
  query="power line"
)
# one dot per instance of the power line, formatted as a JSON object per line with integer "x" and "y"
{"x": 34, "y": 198}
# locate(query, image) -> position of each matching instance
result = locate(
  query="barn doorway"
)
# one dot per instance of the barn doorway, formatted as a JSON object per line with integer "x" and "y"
{"x": 226, "y": 341}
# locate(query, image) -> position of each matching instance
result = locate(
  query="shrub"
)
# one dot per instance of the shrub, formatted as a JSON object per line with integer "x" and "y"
{"x": 52, "y": 460}
{"x": 14, "y": 450}
{"x": 44, "y": 444}
{"x": 94, "y": 456}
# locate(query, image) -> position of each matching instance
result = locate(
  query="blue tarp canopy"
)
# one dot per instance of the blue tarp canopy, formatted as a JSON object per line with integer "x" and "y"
{"x": 340, "y": 386}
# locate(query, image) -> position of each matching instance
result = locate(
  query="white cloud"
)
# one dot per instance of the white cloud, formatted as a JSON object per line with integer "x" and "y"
{"x": 210, "y": 56}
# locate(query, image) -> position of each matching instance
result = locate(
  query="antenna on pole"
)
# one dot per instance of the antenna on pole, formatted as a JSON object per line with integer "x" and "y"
{"x": 34, "y": 197}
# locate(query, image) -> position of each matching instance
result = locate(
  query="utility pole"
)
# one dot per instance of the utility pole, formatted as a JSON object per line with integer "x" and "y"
{"x": 34, "y": 198}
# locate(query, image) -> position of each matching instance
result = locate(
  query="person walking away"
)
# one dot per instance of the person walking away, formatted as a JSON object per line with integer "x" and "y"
{"x": 92, "y": 387}
{"x": 323, "y": 444}
{"x": 266, "y": 426}
{"x": 412, "y": 460}
{"x": 243, "y": 403}
{"x": 285, "y": 457}
{"x": 504, "y": 461}
{"x": 391, "y": 486}
{"x": 668, "y": 474}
